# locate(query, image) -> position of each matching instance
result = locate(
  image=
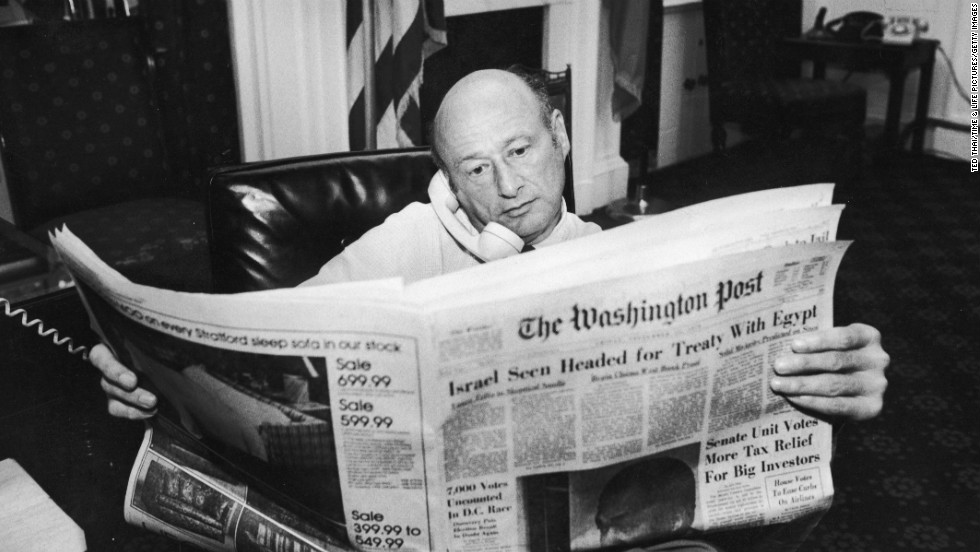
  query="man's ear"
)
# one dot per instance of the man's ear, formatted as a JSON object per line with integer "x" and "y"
{"x": 558, "y": 130}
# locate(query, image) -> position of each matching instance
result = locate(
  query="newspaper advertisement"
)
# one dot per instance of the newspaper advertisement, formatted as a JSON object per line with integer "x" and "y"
{"x": 523, "y": 404}
{"x": 251, "y": 386}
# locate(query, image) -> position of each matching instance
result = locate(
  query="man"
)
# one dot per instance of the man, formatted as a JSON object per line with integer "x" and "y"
{"x": 502, "y": 149}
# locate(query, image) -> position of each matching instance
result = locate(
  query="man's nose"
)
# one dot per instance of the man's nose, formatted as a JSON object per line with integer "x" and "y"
{"x": 508, "y": 183}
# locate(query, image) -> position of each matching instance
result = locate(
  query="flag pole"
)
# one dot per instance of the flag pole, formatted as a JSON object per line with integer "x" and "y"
{"x": 367, "y": 18}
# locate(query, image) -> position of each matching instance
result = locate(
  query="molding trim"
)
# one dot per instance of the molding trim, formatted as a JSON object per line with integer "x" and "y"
{"x": 679, "y": 5}
{"x": 466, "y": 7}
{"x": 575, "y": 34}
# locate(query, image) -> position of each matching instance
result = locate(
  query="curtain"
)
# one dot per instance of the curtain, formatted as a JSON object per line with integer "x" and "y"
{"x": 405, "y": 33}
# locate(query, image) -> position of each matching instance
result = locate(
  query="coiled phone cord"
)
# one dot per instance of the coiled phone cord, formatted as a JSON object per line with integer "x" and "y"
{"x": 38, "y": 325}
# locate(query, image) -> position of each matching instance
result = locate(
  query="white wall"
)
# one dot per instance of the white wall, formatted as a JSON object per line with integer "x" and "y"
{"x": 947, "y": 104}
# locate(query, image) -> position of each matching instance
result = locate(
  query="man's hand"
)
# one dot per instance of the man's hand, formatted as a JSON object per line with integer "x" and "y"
{"x": 838, "y": 373}
{"x": 126, "y": 400}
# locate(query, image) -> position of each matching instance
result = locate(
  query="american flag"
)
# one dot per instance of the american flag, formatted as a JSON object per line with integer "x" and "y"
{"x": 405, "y": 33}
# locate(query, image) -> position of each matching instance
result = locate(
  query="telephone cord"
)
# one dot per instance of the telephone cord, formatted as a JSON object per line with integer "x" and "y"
{"x": 38, "y": 325}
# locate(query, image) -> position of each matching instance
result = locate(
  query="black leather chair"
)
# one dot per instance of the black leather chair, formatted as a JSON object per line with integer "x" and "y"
{"x": 749, "y": 84}
{"x": 273, "y": 224}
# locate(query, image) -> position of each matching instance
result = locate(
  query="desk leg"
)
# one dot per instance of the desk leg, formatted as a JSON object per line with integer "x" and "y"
{"x": 922, "y": 106}
{"x": 893, "y": 117}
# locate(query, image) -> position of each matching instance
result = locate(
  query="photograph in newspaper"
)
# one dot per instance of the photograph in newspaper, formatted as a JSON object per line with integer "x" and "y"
{"x": 169, "y": 494}
{"x": 639, "y": 502}
{"x": 177, "y": 491}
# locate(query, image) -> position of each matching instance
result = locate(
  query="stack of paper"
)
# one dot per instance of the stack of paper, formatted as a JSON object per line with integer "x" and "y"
{"x": 29, "y": 519}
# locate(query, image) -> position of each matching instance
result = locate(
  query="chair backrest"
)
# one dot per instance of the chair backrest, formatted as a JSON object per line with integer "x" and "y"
{"x": 78, "y": 118}
{"x": 273, "y": 224}
{"x": 741, "y": 38}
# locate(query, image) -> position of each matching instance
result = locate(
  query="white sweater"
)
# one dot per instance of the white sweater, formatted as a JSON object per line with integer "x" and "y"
{"x": 413, "y": 244}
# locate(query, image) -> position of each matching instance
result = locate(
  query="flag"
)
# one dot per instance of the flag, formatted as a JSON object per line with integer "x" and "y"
{"x": 405, "y": 32}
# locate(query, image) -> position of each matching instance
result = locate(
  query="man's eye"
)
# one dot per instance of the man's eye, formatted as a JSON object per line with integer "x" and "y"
{"x": 519, "y": 152}
{"x": 478, "y": 171}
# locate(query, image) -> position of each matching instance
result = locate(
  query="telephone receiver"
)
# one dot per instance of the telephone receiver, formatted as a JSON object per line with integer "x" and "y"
{"x": 38, "y": 325}
{"x": 855, "y": 26}
{"x": 493, "y": 243}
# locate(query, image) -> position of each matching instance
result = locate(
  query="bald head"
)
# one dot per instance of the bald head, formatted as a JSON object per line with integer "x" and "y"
{"x": 484, "y": 88}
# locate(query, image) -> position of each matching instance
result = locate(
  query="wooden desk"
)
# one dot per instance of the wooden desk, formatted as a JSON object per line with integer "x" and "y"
{"x": 895, "y": 60}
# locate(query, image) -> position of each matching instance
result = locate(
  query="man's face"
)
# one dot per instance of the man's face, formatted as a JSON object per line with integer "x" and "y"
{"x": 504, "y": 163}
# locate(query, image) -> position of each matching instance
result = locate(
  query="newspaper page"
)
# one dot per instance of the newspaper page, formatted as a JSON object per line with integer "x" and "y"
{"x": 360, "y": 408}
{"x": 660, "y": 249}
{"x": 315, "y": 400}
{"x": 799, "y": 214}
{"x": 645, "y": 403}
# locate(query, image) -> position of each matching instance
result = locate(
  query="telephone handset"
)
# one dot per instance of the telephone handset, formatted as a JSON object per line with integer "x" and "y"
{"x": 38, "y": 325}
{"x": 855, "y": 26}
{"x": 493, "y": 243}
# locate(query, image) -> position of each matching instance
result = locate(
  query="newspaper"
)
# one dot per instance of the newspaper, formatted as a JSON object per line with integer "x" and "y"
{"x": 611, "y": 390}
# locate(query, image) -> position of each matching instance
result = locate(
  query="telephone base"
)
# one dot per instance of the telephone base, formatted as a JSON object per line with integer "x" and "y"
{"x": 902, "y": 30}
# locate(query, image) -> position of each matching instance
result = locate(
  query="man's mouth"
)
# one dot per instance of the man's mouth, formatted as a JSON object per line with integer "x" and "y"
{"x": 519, "y": 210}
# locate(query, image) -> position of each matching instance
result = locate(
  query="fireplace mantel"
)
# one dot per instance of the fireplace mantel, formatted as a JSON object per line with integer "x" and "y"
{"x": 290, "y": 70}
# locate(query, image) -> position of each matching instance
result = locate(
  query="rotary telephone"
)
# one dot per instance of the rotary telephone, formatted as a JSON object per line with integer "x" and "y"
{"x": 855, "y": 26}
